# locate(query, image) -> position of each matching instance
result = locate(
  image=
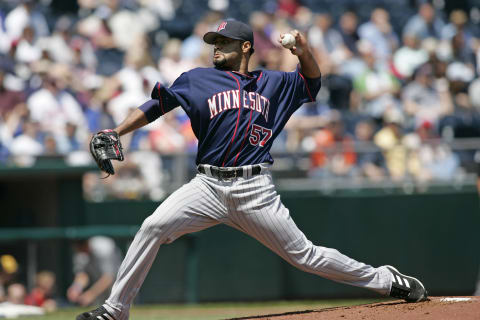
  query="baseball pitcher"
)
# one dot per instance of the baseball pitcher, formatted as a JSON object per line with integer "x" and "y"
{"x": 236, "y": 114}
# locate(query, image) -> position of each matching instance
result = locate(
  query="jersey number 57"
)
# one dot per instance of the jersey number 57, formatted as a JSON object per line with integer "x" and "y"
{"x": 259, "y": 135}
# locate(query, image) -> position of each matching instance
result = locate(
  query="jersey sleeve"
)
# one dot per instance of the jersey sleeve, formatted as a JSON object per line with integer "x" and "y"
{"x": 176, "y": 95}
{"x": 299, "y": 88}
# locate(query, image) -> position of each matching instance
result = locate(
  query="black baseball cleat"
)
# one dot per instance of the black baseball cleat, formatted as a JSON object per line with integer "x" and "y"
{"x": 405, "y": 287}
{"x": 98, "y": 314}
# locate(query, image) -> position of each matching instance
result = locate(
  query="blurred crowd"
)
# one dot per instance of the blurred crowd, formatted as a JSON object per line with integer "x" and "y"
{"x": 95, "y": 262}
{"x": 15, "y": 299}
{"x": 400, "y": 81}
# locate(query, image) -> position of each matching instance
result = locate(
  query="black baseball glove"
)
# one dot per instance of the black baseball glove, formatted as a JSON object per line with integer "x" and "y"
{"x": 104, "y": 147}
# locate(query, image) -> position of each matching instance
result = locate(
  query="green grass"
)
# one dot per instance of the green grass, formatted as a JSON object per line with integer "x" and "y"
{"x": 210, "y": 311}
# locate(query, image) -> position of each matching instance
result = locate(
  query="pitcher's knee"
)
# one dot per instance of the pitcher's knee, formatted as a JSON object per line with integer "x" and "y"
{"x": 302, "y": 257}
{"x": 160, "y": 229}
{"x": 151, "y": 227}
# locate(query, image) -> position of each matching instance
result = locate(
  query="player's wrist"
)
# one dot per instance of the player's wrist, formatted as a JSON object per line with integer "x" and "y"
{"x": 108, "y": 131}
{"x": 304, "y": 52}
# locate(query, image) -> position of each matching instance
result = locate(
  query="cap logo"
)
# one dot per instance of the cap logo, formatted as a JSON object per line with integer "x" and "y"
{"x": 222, "y": 26}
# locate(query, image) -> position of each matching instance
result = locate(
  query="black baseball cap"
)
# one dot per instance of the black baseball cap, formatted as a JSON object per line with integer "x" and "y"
{"x": 232, "y": 29}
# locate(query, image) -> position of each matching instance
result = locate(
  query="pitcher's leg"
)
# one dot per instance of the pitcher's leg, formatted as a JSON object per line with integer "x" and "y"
{"x": 183, "y": 212}
{"x": 264, "y": 217}
{"x": 477, "y": 288}
{"x": 284, "y": 238}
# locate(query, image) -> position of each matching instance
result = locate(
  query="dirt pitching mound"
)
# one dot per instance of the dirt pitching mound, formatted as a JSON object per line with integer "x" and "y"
{"x": 437, "y": 308}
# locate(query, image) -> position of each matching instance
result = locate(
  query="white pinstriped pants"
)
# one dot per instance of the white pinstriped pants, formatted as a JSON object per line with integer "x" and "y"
{"x": 250, "y": 205}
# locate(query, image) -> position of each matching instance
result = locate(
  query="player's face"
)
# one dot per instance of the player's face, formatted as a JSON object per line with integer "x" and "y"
{"x": 226, "y": 52}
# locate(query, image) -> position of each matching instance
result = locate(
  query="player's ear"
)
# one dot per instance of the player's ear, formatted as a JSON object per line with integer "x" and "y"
{"x": 246, "y": 46}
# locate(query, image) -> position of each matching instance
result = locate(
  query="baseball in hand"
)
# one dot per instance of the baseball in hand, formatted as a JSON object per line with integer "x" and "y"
{"x": 288, "y": 41}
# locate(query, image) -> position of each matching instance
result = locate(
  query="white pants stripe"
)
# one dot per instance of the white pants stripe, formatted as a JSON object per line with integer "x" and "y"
{"x": 250, "y": 205}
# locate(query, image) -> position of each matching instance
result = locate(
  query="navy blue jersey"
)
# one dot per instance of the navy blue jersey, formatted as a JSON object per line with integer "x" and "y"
{"x": 236, "y": 117}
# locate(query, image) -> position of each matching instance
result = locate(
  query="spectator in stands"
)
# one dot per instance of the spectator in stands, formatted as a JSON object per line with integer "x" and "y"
{"x": 26, "y": 14}
{"x": 334, "y": 154}
{"x": 303, "y": 18}
{"x": 134, "y": 81}
{"x": 287, "y": 8}
{"x": 95, "y": 264}
{"x": 436, "y": 159}
{"x": 464, "y": 122}
{"x": 370, "y": 161}
{"x": 165, "y": 9}
{"x": 151, "y": 178}
{"x": 300, "y": 127}
{"x": 96, "y": 28}
{"x": 129, "y": 183}
{"x": 27, "y": 145}
{"x": 4, "y": 141}
{"x": 53, "y": 106}
{"x": 84, "y": 58}
{"x": 72, "y": 141}
{"x": 42, "y": 294}
{"x": 459, "y": 24}
{"x": 463, "y": 53}
{"x": 12, "y": 127}
{"x": 9, "y": 99}
{"x": 126, "y": 25}
{"x": 332, "y": 53}
{"x": 15, "y": 307}
{"x": 348, "y": 30}
{"x": 8, "y": 271}
{"x": 166, "y": 137}
{"x": 57, "y": 45}
{"x": 193, "y": 45}
{"x": 425, "y": 24}
{"x": 390, "y": 140}
{"x": 379, "y": 32}
{"x": 263, "y": 31}
{"x": 409, "y": 57}
{"x": 439, "y": 57}
{"x": 474, "y": 94}
{"x": 50, "y": 146}
{"x": 353, "y": 65}
{"x": 474, "y": 99}
{"x": 27, "y": 48}
{"x": 376, "y": 86}
{"x": 323, "y": 36}
{"x": 427, "y": 99}
{"x": 16, "y": 293}
{"x": 5, "y": 40}
{"x": 170, "y": 65}
{"x": 97, "y": 114}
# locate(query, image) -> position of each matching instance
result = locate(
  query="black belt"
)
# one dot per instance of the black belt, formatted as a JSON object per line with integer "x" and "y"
{"x": 230, "y": 172}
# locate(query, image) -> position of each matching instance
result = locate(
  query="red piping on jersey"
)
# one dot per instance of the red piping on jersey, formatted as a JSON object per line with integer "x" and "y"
{"x": 246, "y": 131}
{"x": 261, "y": 74}
{"x": 238, "y": 118}
{"x": 243, "y": 141}
{"x": 306, "y": 85}
{"x": 243, "y": 74}
{"x": 160, "y": 97}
